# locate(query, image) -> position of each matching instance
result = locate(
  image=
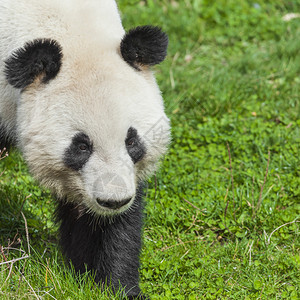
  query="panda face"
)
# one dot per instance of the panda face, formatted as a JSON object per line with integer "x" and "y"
{"x": 93, "y": 143}
{"x": 114, "y": 187}
{"x": 91, "y": 128}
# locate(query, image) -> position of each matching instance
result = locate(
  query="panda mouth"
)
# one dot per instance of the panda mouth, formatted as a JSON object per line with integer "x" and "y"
{"x": 112, "y": 204}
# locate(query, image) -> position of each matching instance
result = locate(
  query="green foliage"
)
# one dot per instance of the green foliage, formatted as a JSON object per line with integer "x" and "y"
{"x": 223, "y": 213}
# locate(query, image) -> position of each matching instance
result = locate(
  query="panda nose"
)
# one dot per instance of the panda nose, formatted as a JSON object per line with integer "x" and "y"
{"x": 112, "y": 204}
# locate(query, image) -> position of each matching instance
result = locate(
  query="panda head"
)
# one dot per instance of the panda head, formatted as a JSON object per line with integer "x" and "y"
{"x": 90, "y": 120}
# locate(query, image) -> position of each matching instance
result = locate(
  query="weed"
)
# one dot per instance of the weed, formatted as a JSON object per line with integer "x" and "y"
{"x": 222, "y": 214}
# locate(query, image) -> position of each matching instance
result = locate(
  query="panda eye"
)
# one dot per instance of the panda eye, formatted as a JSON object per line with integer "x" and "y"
{"x": 78, "y": 152}
{"x": 83, "y": 147}
{"x": 130, "y": 142}
{"x": 135, "y": 146}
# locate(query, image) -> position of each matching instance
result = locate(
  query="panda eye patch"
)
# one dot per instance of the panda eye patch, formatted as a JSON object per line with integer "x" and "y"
{"x": 78, "y": 152}
{"x": 134, "y": 145}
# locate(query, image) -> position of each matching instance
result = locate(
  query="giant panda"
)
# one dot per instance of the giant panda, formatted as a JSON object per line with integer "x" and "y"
{"x": 79, "y": 99}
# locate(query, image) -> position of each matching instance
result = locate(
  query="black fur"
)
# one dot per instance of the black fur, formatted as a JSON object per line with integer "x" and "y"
{"x": 108, "y": 247}
{"x": 144, "y": 45}
{"x": 5, "y": 141}
{"x": 79, "y": 152}
{"x": 38, "y": 57}
{"x": 134, "y": 145}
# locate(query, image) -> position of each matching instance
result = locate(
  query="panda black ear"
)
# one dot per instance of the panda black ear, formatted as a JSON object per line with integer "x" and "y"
{"x": 144, "y": 46}
{"x": 40, "y": 57}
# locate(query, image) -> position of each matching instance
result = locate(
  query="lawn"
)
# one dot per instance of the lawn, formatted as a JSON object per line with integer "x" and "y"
{"x": 222, "y": 218}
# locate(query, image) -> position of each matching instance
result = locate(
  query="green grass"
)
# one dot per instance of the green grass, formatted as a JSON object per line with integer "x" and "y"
{"x": 223, "y": 212}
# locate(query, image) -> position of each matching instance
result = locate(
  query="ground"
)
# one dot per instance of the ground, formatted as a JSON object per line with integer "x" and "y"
{"x": 223, "y": 213}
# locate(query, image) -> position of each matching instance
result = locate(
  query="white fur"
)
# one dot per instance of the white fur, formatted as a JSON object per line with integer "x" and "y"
{"x": 95, "y": 92}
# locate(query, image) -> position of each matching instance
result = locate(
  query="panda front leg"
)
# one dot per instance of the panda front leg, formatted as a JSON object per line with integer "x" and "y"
{"x": 108, "y": 247}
